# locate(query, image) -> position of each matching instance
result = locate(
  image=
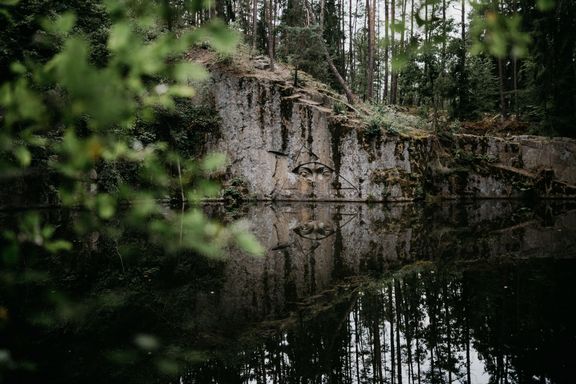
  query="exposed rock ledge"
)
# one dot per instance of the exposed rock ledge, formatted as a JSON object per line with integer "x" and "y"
{"x": 289, "y": 143}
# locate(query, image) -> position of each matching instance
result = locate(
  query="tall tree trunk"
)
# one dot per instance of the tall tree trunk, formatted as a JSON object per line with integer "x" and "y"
{"x": 377, "y": 51}
{"x": 268, "y": 14}
{"x": 392, "y": 344}
{"x": 351, "y": 45}
{"x": 411, "y": 20}
{"x": 385, "y": 95}
{"x": 322, "y": 14}
{"x": 342, "y": 44}
{"x": 274, "y": 39}
{"x": 254, "y": 23}
{"x": 393, "y": 51}
{"x": 402, "y": 47}
{"x": 502, "y": 88}
{"x": 370, "y": 66}
{"x": 463, "y": 87}
{"x": 397, "y": 297}
{"x": 444, "y": 37}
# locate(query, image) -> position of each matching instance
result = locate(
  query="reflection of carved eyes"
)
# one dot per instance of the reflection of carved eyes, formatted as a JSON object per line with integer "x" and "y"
{"x": 315, "y": 230}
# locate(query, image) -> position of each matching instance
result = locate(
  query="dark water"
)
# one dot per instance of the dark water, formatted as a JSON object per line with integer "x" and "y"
{"x": 346, "y": 293}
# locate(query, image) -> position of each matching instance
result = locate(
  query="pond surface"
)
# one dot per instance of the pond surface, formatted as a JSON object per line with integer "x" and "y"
{"x": 481, "y": 292}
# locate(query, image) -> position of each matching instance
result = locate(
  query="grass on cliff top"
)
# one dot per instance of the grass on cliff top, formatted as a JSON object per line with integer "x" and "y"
{"x": 389, "y": 120}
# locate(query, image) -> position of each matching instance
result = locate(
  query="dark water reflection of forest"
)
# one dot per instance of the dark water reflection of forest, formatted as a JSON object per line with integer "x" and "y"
{"x": 482, "y": 292}
{"x": 503, "y": 323}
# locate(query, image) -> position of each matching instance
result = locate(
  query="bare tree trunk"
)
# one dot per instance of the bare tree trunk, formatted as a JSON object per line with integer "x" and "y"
{"x": 268, "y": 14}
{"x": 443, "y": 33}
{"x": 402, "y": 48}
{"x": 370, "y": 66}
{"x": 462, "y": 92}
{"x": 342, "y": 43}
{"x": 412, "y": 20}
{"x": 386, "y": 50}
{"x": 274, "y": 39}
{"x": 322, "y": 14}
{"x": 351, "y": 45}
{"x": 352, "y": 99}
{"x": 254, "y": 23}
{"x": 392, "y": 344}
{"x": 377, "y": 51}
{"x": 502, "y": 88}
{"x": 393, "y": 51}
{"x": 397, "y": 298}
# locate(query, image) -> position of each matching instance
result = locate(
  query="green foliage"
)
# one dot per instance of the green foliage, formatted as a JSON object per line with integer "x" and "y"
{"x": 83, "y": 117}
{"x": 482, "y": 86}
{"x": 496, "y": 33}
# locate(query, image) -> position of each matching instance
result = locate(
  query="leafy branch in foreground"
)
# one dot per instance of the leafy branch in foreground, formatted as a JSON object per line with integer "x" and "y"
{"x": 68, "y": 117}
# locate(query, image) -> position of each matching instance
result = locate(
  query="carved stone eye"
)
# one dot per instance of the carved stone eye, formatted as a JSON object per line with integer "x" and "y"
{"x": 305, "y": 172}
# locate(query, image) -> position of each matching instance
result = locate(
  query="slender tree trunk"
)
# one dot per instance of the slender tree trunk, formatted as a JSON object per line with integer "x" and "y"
{"x": 444, "y": 31}
{"x": 322, "y": 14}
{"x": 274, "y": 39}
{"x": 377, "y": 367}
{"x": 254, "y": 23}
{"x": 356, "y": 339}
{"x": 370, "y": 66}
{"x": 350, "y": 46}
{"x": 463, "y": 87}
{"x": 377, "y": 51}
{"x": 385, "y": 96}
{"x": 397, "y": 297}
{"x": 392, "y": 349}
{"x": 268, "y": 13}
{"x": 343, "y": 38}
{"x": 411, "y": 20}
{"x": 501, "y": 75}
{"x": 502, "y": 88}
{"x": 402, "y": 47}
{"x": 393, "y": 51}
{"x": 448, "y": 330}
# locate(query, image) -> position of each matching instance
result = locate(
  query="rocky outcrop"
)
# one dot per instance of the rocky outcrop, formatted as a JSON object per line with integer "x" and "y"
{"x": 289, "y": 142}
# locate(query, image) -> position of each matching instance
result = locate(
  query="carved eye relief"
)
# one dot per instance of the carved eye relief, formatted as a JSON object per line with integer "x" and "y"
{"x": 324, "y": 171}
{"x": 304, "y": 172}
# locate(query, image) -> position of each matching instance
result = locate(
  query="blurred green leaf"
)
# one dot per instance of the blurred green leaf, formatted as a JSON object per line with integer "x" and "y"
{"x": 213, "y": 161}
{"x": 147, "y": 342}
{"x": 247, "y": 242}
{"x": 61, "y": 24}
{"x": 23, "y": 155}
{"x": 106, "y": 206}
{"x": 58, "y": 246}
{"x": 545, "y": 5}
{"x": 119, "y": 36}
{"x": 185, "y": 72}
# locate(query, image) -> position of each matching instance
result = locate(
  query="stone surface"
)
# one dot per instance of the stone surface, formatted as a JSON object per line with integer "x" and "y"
{"x": 287, "y": 143}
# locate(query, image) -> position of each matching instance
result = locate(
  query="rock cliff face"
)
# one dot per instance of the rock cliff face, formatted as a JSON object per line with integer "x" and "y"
{"x": 288, "y": 143}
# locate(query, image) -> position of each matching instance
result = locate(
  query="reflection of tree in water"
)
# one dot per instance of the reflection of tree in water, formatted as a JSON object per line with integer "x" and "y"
{"x": 505, "y": 324}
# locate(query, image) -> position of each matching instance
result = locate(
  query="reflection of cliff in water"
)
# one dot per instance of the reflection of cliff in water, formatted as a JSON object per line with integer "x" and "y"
{"x": 491, "y": 281}
{"x": 312, "y": 245}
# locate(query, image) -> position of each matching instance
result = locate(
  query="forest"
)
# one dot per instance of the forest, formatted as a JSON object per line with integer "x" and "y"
{"x": 287, "y": 191}
{"x": 509, "y": 63}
